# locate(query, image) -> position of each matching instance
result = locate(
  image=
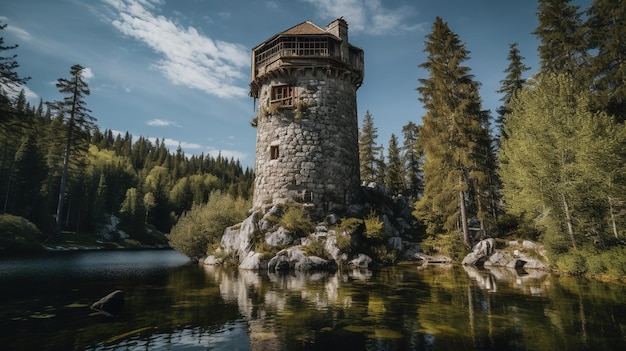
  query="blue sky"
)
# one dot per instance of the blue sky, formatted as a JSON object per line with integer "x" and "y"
{"x": 179, "y": 69}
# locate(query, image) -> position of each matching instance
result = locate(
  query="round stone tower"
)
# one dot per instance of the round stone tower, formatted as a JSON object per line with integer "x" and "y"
{"x": 305, "y": 81}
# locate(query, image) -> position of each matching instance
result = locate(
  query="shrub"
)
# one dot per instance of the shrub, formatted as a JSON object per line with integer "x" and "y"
{"x": 17, "y": 235}
{"x": 374, "y": 228}
{"x": 384, "y": 254}
{"x": 315, "y": 247}
{"x": 448, "y": 244}
{"x": 572, "y": 262}
{"x": 297, "y": 220}
{"x": 204, "y": 224}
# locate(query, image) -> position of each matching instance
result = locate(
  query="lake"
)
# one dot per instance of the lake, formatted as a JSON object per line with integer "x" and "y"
{"x": 172, "y": 304}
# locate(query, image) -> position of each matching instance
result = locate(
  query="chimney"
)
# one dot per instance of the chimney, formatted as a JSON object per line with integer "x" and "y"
{"x": 339, "y": 28}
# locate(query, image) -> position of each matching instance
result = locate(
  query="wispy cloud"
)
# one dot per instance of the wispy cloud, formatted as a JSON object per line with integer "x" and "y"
{"x": 369, "y": 16}
{"x": 162, "y": 123}
{"x": 189, "y": 58}
{"x": 20, "y": 33}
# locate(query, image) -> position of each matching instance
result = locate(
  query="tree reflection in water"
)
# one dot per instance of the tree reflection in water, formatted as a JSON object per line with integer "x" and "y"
{"x": 187, "y": 307}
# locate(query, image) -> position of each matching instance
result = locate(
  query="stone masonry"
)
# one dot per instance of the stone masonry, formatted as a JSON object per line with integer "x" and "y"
{"x": 307, "y": 148}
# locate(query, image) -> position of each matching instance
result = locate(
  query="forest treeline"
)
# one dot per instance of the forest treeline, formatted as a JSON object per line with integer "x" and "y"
{"x": 56, "y": 148}
{"x": 549, "y": 166}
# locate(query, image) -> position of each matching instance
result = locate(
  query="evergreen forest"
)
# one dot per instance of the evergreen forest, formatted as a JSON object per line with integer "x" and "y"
{"x": 548, "y": 166}
{"x": 61, "y": 174}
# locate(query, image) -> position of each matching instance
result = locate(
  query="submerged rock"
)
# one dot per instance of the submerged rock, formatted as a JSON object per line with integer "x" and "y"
{"x": 111, "y": 305}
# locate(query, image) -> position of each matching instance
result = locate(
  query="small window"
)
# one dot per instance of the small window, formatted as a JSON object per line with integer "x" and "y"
{"x": 307, "y": 196}
{"x": 274, "y": 152}
{"x": 284, "y": 95}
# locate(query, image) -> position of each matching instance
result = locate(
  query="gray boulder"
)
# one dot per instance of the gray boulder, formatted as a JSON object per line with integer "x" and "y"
{"x": 360, "y": 261}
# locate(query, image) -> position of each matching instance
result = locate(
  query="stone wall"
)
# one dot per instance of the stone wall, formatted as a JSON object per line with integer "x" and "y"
{"x": 317, "y": 142}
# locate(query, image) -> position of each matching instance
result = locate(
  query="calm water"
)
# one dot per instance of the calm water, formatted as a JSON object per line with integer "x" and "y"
{"x": 172, "y": 304}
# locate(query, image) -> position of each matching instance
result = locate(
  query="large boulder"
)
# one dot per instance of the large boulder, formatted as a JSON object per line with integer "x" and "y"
{"x": 360, "y": 261}
{"x": 238, "y": 238}
{"x": 294, "y": 258}
{"x": 280, "y": 237}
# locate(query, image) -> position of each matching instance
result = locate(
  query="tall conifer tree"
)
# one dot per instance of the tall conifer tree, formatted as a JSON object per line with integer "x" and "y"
{"x": 394, "y": 176}
{"x": 412, "y": 157}
{"x": 560, "y": 31}
{"x": 511, "y": 84}
{"x": 606, "y": 30}
{"x": 79, "y": 125}
{"x": 453, "y": 137}
{"x": 368, "y": 149}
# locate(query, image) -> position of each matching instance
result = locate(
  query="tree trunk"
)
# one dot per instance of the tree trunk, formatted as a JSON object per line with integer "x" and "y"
{"x": 66, "y": 161}
{"x": 613, "y": 224}
{"x": 464, "y": 228}
{"x": 568, "y": 221}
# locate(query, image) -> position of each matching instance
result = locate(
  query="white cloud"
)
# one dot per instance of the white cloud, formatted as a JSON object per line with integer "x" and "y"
{"x": 14, "y": 91}
{"x": 368, "y": 16}
{"x": 87, "y": 73}
{"x": 189, "y": 58}
{"x": 162, "y": 123}
{"x": 20, "y": 33}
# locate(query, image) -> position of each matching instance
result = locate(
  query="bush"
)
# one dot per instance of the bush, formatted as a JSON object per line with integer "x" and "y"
{"x": 297, "y": 220}
{"x": 449, "y": 245}
{"x": 315, "y": 247}
{"x": 204, "y": 224}
{"x": 374, "y": 228}
{"x": 17, "y": 235}
{"x": 572, "y": 262}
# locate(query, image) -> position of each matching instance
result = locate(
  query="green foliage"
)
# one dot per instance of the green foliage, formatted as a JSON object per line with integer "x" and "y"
{"x": 382, "y": 253}
{"x": 315, "y": 247}
{"x": 374, "y": 229}
{"x": 204, "y": 224}
{"x": 368, "y": 149}
{"x": 594, "y": 261}
{"x": 17, "y": 235}
{"x": 459, "y": 167}
{"x": 560, "y": 165}
{"x": 448, "y": 244}
{"x": 572, "y": 262}
{"x": 297, "y": 220}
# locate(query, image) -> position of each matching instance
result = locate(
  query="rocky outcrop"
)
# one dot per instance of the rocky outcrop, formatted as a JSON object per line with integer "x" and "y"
{"x": 526, "y": 255}
{"x": 238, "y": 241}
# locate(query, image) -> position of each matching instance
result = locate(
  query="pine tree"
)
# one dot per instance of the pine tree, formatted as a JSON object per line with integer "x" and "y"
{"x": 394, "y": 180}
{"x": 79, "y": 125}
{"x": 606, "y": 31}
{"x": 511, "y": 84}
{"x": 368, "y": 149}
{"x": 453, "y": 136}
{"x": 412, "y": 157}
{"x": 563, "y": 165}
{"x": 560, "y": 31}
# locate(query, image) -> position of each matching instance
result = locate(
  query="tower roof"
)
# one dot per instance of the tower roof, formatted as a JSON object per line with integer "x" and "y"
{"x": 306, "y": 27}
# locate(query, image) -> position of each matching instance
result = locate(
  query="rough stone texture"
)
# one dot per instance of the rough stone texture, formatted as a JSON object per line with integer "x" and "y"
{"x": 360, "y": 261}
{"x": 317, "y": 143}
{"x": 238, "y": 238}
{"x": 252, "y": 261}
{"x": 280, "y": 237}
{"x": 294, "y": 258}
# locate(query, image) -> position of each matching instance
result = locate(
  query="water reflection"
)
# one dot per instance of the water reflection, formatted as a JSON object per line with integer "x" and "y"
{"x": 187, "y": 307}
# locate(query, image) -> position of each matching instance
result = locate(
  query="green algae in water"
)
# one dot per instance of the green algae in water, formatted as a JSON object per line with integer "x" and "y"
{"x": 42, "y": 315}
{"x": 76, "y": 305}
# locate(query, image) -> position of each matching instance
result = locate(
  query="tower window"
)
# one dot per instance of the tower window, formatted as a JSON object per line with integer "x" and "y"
{"x": 284, "y": 95}
{"x": 274, "y": 152}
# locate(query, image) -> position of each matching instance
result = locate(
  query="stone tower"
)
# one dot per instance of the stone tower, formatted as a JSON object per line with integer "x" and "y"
{"x": 305, "y": 81}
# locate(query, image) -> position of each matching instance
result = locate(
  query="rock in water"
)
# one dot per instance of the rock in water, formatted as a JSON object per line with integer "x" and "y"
{"x": 111, "y": 305}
